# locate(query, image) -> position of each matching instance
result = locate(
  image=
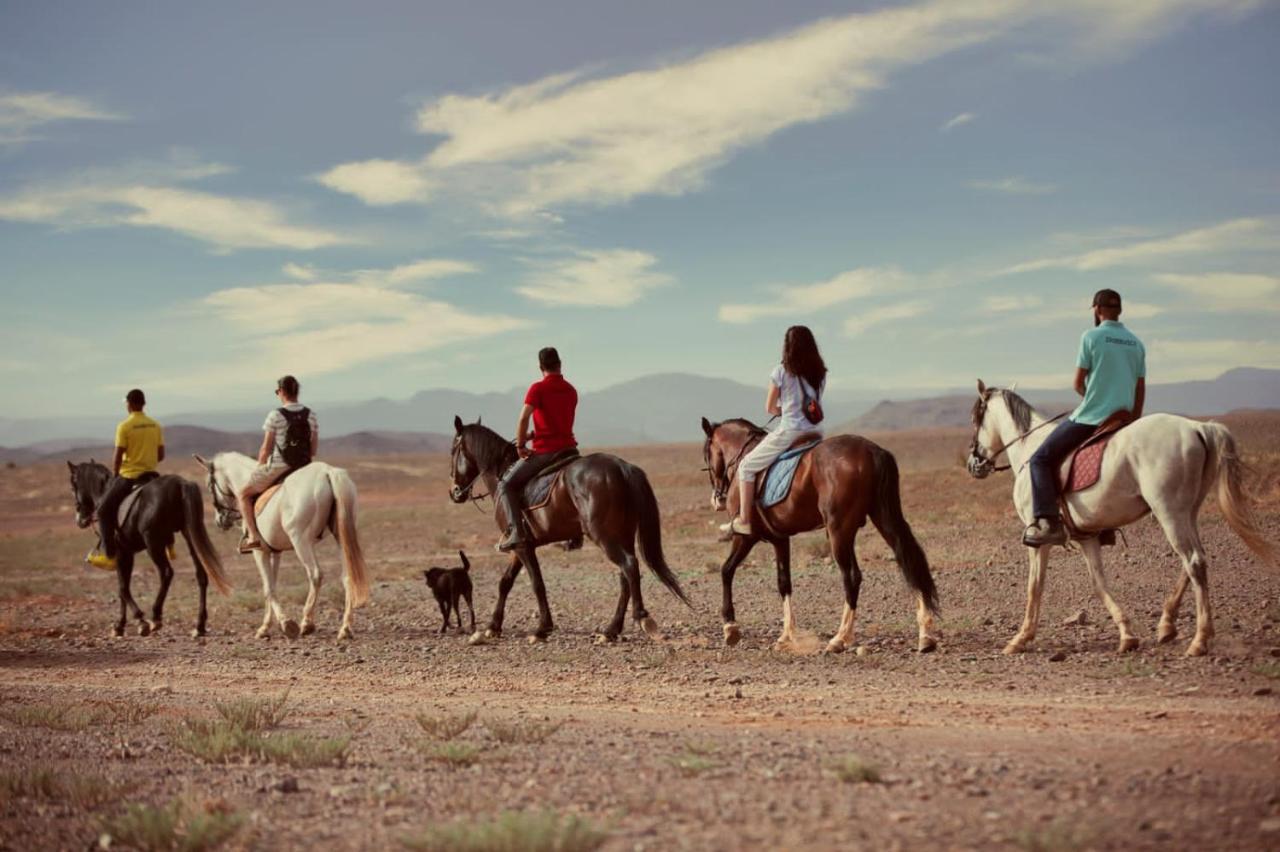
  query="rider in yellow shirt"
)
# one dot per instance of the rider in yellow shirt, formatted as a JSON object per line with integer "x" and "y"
{"x": 139, "y": 449}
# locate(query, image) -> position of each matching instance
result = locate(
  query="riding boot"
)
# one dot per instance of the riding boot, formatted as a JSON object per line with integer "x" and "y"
{"x": 514, "y": 536}
{"x": 1045, "y": 531}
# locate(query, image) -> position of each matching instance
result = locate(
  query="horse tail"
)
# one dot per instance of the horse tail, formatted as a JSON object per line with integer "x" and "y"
{"x": 193, "y": 530}
{"x": 344, "y": 498}
{"x": 649, "y": 530}
{"x": 886, "y": 514}
{"x": 1227, "y": 468}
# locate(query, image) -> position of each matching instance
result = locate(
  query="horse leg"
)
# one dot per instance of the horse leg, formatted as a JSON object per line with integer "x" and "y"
{"x": 1185, "y": 540}
{"x": 846, "y": 557}
{"x": 540, "y": 591}
{"x": 741, "y": 547}
{"x": 157, "y": 550}
{"x": 202, "y": 580}
{"x": 306, "y": 550}
{"x": 1039, "y": 562}
{"x": 1093, "y": 558}
{"x": 614, "y": 629}
{"x": 625, "y": 558}
{"x": 269, "y": 567}
{"x": 1168, "y": 628}
{"x": 500, "y": 608}
{"x": 124, "y": 572}
{"x": 782, "y": 563}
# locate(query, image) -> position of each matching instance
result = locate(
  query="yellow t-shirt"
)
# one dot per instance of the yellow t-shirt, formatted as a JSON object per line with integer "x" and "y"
{"x": 141, "y": 438}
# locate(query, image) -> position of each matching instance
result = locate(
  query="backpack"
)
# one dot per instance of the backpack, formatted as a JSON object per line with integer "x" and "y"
{"x": 295, "y": 446}
{"x": 810, "y": 405}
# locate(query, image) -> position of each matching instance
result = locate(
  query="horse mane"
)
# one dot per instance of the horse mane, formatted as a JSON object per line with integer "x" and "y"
{"x": 752, "y": 429}
{"x": 1019, "y": 409}
{"x": 491, "y": 450}
{"x": 93, "y": 475}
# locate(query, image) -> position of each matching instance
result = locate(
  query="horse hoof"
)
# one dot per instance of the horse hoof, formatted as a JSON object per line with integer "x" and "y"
{"x": 927, "y": 645}
{"x": 480, "y": 638}
{"x": 308, "y": 627}
{"x": 1014, "y": 648}
{"x": 345, "y": 635}
{"x": 291, "y": 629}
{"x": 262, "y": 633}
{"x": 197, "y": 633}
{"x": 1127, "y": 645}
{"x": 1166, "y": 633}
{"x": 144, "y": 628}
{"x": 835, "y": 646}
{"x": 731, "y": 634}
{"x": 650, "y": 627}
{"x": 1197, "y": 649}
{"x": 117, "y": 632}
{"x": 535, "y": 639}
{"x": 606, "y": 639}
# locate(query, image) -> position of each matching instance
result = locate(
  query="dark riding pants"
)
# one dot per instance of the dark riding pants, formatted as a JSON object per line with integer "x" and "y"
{"x": 1047, "y": 461}
{"x": 109, "y": 507}
{"x": 511, "y": 486}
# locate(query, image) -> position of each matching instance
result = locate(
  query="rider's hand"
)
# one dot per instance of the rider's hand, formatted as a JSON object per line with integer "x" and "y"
{"x": 524, "y": 452}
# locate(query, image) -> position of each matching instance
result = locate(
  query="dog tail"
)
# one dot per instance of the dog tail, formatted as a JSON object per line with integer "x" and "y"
{"x": 466, "y": 564}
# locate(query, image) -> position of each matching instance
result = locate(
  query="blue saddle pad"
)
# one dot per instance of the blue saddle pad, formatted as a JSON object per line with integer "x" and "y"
{"x": 777, "y": 479}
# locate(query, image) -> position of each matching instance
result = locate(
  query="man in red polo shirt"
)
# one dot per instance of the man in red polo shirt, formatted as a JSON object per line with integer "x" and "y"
{"x": 552, "y": 403}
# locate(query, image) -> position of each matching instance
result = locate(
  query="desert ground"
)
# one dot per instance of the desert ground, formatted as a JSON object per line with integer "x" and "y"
{"x": 405, "y": 738}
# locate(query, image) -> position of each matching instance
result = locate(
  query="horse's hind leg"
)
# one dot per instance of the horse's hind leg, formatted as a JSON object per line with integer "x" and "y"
{"x": 1185, "y": 540}
{"x": 545, "y": 625}
{"x": 625, "y": 559}
{"x": 1039, "y": 562}
{"x": 1167, "y": 631}
{"x": 306, "y": 550}
{"x": 202, "y": 580}
{"x": 500, "y": 608}
{"x": 1093, "y": 558}
{"x": 741, "y": 547}
{"x": 269, "y": 568}
{"x": 614, "y": 630}
{"x": 851, "y": 575}
{"x": 156, "y": 549}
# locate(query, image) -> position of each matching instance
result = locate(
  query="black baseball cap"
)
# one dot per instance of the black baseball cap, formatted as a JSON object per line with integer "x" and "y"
{"x": 1106, "y": 299}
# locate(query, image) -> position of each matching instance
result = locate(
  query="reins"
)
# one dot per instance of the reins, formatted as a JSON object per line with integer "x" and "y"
{"x": 991, "y": 459}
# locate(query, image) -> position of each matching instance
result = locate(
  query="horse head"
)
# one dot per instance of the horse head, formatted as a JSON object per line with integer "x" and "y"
{"x": 88, "y": 481}
{"x": 226, "y": 511}
{"x": 477, "y": 451}
{"x": 726, "y": 443}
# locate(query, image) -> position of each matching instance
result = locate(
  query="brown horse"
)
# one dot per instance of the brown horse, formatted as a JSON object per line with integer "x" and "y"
{"x": 600, "y": 496}
{"x": 838, "y": 485}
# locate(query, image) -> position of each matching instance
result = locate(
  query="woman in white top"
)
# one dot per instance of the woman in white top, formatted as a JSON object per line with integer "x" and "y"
{"x": 801, "y": 372}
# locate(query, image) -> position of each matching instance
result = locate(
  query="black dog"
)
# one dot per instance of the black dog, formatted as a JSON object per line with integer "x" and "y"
{"x": 449, "y": 584}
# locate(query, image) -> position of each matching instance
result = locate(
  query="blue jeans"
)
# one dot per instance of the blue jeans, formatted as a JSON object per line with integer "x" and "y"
{"x": 1047, "y": 460}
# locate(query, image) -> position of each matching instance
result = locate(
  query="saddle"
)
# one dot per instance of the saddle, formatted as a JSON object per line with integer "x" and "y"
{"x": 1083, "y": 468}
{"x": 127, "y": 503}
{"x": 773, "y": 486}
{"x": 537, "y": 492}
{"x": 260, "y": 503}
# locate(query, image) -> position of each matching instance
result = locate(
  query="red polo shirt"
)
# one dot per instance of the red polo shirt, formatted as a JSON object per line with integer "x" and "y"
{"x": 554, "y": 401}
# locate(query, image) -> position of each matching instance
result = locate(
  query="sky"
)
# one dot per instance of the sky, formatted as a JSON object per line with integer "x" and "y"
{"x": 381, "y": 198}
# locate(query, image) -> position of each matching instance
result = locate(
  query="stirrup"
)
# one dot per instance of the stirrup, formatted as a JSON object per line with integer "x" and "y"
{"x": 246, "y": 546}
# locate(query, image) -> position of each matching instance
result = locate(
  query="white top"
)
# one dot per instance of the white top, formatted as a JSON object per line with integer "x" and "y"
{"x": 276, "y": 423}
{"x": 791, "y": 400}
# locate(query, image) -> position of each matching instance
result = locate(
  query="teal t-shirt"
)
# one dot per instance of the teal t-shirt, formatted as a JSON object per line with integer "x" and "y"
{"x": 1115, "y": 359}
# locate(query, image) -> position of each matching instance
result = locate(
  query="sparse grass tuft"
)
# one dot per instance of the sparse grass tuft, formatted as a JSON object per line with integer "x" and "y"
{"x": 691, "y": 764}
{"x": 177, "y": 827}
{"x": 854, "y": 770}
{"x": 82, "y": 791}
{"x": 521, "y": 732}
{"x": 454, "y": 754}
{"x": 445, "y": 726}
{"x": 1270, "y": 668}
{"x": 1058, "y": 836}
{"x": 55, "y": 717}
{"x": 222, "y": 741}
{"x": 131, "y": 712}
{"x": 255, "y": 714}
{"x": 512, "y": 831}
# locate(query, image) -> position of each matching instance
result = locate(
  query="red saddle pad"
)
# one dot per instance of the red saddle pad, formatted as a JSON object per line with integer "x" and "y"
{"x": 1084, "y": 467}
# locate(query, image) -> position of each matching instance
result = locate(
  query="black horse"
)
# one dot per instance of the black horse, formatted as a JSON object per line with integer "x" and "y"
{"x": 600, "y": 496}
{"x": 164, "y": 507}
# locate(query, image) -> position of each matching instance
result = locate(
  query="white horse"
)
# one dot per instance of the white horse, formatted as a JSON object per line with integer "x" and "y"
{"x": 316, "y": 497}
{"x": 1162, "y": 464}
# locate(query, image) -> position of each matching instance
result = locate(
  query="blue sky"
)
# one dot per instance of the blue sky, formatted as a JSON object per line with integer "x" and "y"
{"x": 196, "y": 198}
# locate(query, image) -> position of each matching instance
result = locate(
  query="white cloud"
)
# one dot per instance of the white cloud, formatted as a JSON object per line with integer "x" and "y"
{"x": 299, "y": 272}
{"x": 571, "y": 138}
{"x": 22, "y": 113}
{"x": 957, "y": 121}
{"x": 411, "y": 273}
{"x": 1235, "y": 235}
{"x": 611, "y": 278}
{"x": 858, "y": 323}
{"x": 1007, "y": 304}
{"x": 1228, "y": 291}
{"x": 792, "y": 299}
{"x": 103, "y": 200}
{"x": 1015, "y": 185}
{"x": 379, "y": 182}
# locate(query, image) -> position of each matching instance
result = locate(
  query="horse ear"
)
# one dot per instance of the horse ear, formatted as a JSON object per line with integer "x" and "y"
{"x": 466, "y": 565}
{"x": 1013, "y": 387}
{"x": 982, "y": 387}
{"x": 457, "y": 424}
{"x": 71, "y": 466}
{"x": 207, "y": 465}
{"x": 479, "y": 419}
{"x": 707, "y": 427}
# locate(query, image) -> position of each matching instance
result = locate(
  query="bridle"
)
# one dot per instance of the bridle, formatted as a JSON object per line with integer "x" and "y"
{"x": 227, "y": 515}
{"x": 721, "y": 492}
{"x": 464, "y": 494}
{"x": 987, "y": 463}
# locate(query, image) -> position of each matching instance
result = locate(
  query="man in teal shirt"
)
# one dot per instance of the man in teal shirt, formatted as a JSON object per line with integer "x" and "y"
{"x": 1111, "y": 374}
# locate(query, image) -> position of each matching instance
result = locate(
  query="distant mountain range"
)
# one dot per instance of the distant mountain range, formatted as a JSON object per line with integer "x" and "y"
{"x": 659, "y": 408}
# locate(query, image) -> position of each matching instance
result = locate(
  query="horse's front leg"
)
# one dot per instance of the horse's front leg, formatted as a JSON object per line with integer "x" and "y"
{"x": 124, "y": 574}
{"x": 540, "y": 591}
{"x": 500, "y": 608}
{"x": 157, "y": 550}
{"x": 1093, "y": 558}
{"x": 741, "y": 547}
{"x": 782, "y": 562}
{"x": 1038, "y": 557}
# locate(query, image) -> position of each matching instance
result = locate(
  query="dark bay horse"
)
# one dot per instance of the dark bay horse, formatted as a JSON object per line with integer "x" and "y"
{"x": 599, "y": 496}
{"x": 164, "y": 508}
{"x": 838, "y": 485}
